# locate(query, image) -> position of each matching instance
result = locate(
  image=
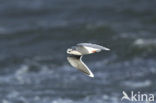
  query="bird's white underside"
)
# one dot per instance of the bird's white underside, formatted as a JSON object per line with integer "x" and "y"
{"x": 90, "y": 49}
{"x": 76, "y": 53}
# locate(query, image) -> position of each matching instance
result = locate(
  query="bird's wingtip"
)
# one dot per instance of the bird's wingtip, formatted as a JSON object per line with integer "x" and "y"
{"x": 91, "y": 75}
{"x": 107, "y": 49}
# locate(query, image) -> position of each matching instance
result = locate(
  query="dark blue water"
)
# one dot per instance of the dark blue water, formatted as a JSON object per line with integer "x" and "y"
{"x": 34, "y": 36}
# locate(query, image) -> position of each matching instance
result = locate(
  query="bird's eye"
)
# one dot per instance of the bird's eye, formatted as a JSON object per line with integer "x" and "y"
{"x": 69, "y": 50}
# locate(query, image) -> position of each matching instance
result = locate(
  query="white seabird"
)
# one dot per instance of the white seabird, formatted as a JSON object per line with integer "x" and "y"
{"x": 77, "y": 52}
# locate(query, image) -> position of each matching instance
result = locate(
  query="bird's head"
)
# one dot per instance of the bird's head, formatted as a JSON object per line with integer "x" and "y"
{"x": 73, "y": 51}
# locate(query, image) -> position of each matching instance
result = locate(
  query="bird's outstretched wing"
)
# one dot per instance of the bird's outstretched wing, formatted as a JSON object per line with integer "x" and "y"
{"x": 76, "y": 61}
{"x": 93, "y": 46}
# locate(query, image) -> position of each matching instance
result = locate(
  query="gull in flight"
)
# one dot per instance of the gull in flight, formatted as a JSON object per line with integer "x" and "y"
{"x": 77, "y": 52}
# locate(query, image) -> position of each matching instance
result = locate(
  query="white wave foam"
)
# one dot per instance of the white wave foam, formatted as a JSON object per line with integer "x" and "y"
{"x": 145, "y": 42}
{"x": 133, "y": 84}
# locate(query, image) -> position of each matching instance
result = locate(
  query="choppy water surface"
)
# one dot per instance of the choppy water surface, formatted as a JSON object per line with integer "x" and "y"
{"x": 34, "y": 36}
